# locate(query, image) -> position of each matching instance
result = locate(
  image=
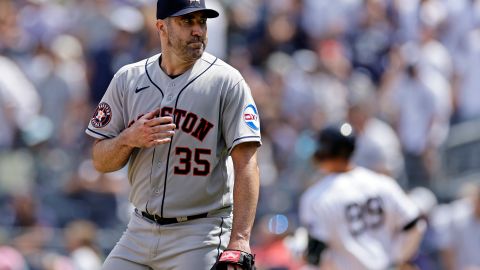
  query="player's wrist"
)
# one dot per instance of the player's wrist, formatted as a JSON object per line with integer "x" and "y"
{"x": 124, "y": 140}
{"x": 243, "y": 245}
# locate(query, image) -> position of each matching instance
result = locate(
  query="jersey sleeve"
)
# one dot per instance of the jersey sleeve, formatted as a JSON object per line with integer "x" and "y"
{"x": 107, "y": 120}
{"x": 405, "y": 210}
{"x": 240, "y": 117}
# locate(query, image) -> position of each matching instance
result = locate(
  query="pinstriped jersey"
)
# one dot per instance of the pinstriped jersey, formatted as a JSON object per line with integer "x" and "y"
{"x": 213, "y": 110}
{"x": 357, "y": 214}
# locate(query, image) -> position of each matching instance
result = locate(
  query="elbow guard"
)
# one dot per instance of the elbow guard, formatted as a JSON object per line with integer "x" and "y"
{"x": 314, "y": 250}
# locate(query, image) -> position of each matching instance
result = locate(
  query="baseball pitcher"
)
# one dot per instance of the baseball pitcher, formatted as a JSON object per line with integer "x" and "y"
{"x": 187, "y": 126}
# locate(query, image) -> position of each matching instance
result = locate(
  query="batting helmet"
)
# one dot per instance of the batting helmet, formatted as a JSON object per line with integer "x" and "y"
{"x": 335, "y": 141}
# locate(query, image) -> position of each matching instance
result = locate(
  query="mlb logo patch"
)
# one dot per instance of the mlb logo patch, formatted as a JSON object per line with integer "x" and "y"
{"x": 250, "y": 116}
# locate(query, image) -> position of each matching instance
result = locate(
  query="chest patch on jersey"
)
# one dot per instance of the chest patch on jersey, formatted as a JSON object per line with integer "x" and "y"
{"x": 250, "y": 116}
{"x": 102, "y": 115}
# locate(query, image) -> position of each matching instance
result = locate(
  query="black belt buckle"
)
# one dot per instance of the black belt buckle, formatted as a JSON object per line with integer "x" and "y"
{"x": 166, "y": 221}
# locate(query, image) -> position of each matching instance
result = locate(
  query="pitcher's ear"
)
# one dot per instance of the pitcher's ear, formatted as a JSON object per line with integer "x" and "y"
{"x": 160, "y": 25}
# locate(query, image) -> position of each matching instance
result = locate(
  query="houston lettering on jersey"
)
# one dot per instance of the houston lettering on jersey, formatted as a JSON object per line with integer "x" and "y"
{"x": 188, "y": 122}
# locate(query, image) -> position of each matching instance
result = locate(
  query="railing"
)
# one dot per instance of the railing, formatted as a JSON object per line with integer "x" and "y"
{"x": 460, "y": 162}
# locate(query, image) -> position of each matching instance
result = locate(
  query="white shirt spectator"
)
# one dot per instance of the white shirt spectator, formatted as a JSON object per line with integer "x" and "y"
{"x": 441, "y": 90}
{"x": 459, "y": 22}
{"x": 469, "y": 92}
{"x": 436, "y": 56}
{"x": 378, "y": 148}
{"x": 85, "y": 258}
{"x": 415, "y": 112}
{"x": 464, "y": 235}
{"x": 18, "y": 93}
{"x": 314, "y": 93}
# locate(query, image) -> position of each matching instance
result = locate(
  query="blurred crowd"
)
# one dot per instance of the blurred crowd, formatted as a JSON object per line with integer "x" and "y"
{"x": 402, "y": 72}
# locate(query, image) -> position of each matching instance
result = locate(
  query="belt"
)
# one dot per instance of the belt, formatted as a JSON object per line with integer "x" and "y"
{"x": 165, "y": 221}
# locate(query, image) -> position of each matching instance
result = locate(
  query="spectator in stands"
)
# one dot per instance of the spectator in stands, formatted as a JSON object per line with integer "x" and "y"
{"x": 55, "y": 261}
{"x": 81, "y": 242}
{"x": 412, "y": 111}
{"x": 378, "y": 147}
{"x": 463, "y": 246}
{"x": 19, "y": 101}
{"x": 468, "y": 94}
{"x": 11, "y": 259}
{"x": 371, "y": 38}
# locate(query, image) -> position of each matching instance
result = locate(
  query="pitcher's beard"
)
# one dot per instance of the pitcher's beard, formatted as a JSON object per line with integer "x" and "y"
{"x": 189, "y": 51}
{"x": 194, "y": 51}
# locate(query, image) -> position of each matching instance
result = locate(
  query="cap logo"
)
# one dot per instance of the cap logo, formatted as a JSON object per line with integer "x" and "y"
{"x": 195, "y": 3}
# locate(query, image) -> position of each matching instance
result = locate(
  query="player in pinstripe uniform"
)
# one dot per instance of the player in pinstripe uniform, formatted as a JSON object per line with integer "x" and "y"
{"x": 187, "y": 125}
{"x": 356, "y": 218}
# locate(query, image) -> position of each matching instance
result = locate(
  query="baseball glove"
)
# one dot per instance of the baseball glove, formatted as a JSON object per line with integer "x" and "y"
{"x": 238, "y": 258}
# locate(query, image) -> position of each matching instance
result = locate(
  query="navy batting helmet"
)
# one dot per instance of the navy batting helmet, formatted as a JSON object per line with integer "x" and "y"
{"x": 335, "y": 141}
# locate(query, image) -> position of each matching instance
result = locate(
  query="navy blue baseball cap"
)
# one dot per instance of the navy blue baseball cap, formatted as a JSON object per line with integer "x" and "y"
{"x": 170, "y": 8}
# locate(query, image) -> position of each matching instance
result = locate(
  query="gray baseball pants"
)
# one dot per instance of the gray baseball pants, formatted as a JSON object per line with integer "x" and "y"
{"x": 193, "y": 244}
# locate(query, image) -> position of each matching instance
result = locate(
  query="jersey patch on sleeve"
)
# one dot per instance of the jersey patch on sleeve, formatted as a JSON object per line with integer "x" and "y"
{"x": 102, "y": 115}
{"x": 250, "y": 116}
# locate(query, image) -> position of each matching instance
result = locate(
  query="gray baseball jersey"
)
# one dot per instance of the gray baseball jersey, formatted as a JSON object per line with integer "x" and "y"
{"x": 213, "y": 110}
{"x": 358, "y": 214}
